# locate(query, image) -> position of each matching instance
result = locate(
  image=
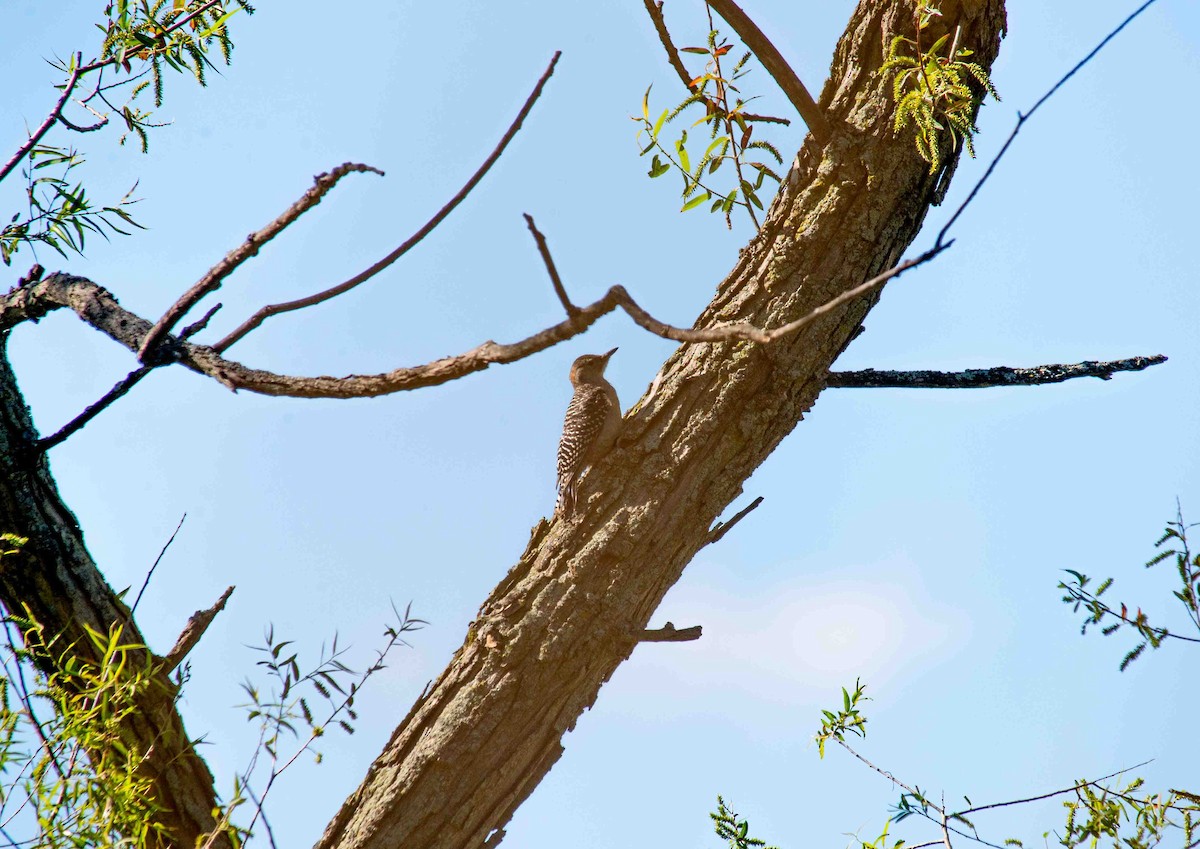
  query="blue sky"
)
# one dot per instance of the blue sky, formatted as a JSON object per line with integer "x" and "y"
{"x": 913, "y": 539}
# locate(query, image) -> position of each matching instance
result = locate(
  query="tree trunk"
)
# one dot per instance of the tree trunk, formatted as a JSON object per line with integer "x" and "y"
{"x": 53, "y": 576}
{"x": 572, "y": 609}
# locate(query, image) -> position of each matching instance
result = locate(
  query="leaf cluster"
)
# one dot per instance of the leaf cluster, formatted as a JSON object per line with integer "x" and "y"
{"x": 141, "y": 39}
{"x": 729, "y": 140}
{"x": 733, "y": 829}
{"x": 74, "y": 779}
{"x": 150, "y": 36}
{"x": 835, "y": 726}
{"x": 59, "y": 213}
{"x": 1173, "y": 544}
{"x": 1123, "y": 819}
{"x": 932, "y": 89}
{"x": 304, "y": 698}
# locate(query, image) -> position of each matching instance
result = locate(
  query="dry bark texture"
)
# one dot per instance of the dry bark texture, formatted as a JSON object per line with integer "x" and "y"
{"x": 56, "y": 578}
{"x": 571, "y": 610}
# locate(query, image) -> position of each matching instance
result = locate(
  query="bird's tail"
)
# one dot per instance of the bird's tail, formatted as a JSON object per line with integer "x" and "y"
{"x": 566, "y": 500}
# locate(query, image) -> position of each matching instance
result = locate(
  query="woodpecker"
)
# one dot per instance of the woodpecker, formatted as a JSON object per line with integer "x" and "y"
{"x": 593, "y": 420}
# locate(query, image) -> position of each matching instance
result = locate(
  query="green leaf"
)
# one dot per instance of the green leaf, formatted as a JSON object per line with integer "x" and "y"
{"x": 696, "y": 201}
{"x": 659, "y": 123}
{"x": 684, "y": 161}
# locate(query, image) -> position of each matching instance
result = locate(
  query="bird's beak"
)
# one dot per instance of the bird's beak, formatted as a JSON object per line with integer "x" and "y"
{"x": 609, "y": 354}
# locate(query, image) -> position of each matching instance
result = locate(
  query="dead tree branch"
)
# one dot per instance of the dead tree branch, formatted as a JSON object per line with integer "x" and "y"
{"x": 212, "y": 280}
{"x": 196, "y": 625}
{"x": 119, "y": 390}
{"x": 551, "y": 269}
{"x": 100, "y": 309}
{"x": 721, "y": 528}
{"x": 670, "y": 634}
{"x": 985, "y": 378}
{"x": 312, "y": 300}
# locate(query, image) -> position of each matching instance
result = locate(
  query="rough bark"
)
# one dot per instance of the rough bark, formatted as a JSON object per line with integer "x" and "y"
{"x": 572, "y": 609}
{"x": 55, "y": 578}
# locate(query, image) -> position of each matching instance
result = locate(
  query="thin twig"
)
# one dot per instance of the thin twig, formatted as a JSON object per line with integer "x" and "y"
{"x": 984, "y": 378}
{"x": 154, "y": 566}
{"x": 212, "y": 280}
{"x": 723, "y": 94}
{"x": 1021, "y": 119}
{"x": 45, "y": 126}
{"x": 91, "y": 128}
{"x": 275, "y": 309}
{"x": 263, "y": 814}
{"x": 1080, "y": 594}
{"x": 119, "y": 389}
{"x": 886, "y": 774}
{"x": 776, "y": 66}
{"x": 548, "y": 260}
{"x": 1052, "y": 794}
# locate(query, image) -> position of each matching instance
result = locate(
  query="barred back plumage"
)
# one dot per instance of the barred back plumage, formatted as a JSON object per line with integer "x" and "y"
{"x": 590, "y": 428}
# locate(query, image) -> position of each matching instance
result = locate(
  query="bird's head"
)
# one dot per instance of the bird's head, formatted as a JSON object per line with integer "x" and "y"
{"x": 589, "y": 367}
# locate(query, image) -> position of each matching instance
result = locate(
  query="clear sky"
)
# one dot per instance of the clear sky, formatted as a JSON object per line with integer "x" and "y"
{"x": 910, "y": 538}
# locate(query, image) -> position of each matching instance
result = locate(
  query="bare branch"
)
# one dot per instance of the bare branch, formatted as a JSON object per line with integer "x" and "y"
{"x": 544, "y": 250}
{"x": 196, "y": 625}
{"x": 212, "y": 280}
{"x": 1022, "y": 118}
{"x": 100, "y": 309}
{"x": 44, "y": 127}
{"x": 654, "y": 10}
{"x": 912, "y": 792}
{"x": 860, "y": 289}
{"x": 312, "y": 300}
{"x": 1051, "y": 794}
{"x": 670, "y": 634}
{"x": 983, "y": 378}
{"x": 776, "y": 66}
{"x": 90, "y": 128}
{"x": 721, "y": 528}
{"x": 154, "y": 565}
{"x": 120, "y": 388}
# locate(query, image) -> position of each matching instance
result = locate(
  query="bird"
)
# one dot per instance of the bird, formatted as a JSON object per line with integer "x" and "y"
{"x": 591, "y": 426}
